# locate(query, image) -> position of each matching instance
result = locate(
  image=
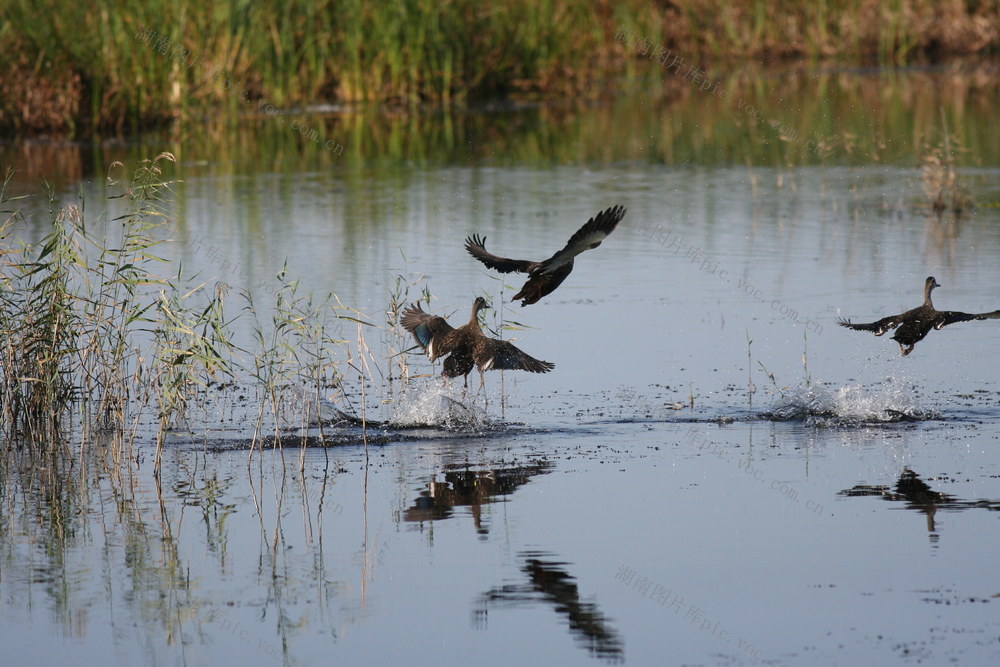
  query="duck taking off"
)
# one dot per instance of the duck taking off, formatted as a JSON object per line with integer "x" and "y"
{"x": 915, "y": 324}
{"x": 467, "y": 345}
{"x": 546, "y": 275}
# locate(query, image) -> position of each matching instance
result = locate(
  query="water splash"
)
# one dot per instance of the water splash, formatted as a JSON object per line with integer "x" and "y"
{"x": 848, "y": 405}
{"x": 436, "y": 405}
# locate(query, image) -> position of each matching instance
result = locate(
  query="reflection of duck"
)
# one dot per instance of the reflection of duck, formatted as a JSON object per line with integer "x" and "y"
{"x": 917, "y": 492}
{"x": 545, "y": 276}
{"x": 917, "y": 495}
{"x": 920, "y": 496}
{"x": 915, "y": 324}
{"x": 467, "y": 345}
{"x": 548, "y": 581}
{"x": 472, "y": 489}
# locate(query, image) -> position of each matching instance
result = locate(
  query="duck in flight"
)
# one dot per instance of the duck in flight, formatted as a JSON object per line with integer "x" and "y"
{"x": 913, "y": 325}
{"x": 467, "y": 345}
{"x": 546, "y": 275}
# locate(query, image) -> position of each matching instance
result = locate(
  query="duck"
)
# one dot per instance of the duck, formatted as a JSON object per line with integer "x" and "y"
{"x": 546, "y": 275}
{"x": 467, "y": 345}
{"x": 913, "y": 325}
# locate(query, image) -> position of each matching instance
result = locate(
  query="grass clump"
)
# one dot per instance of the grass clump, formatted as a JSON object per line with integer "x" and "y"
{"x": 99, "y": 344}
{"x": 92, "y": 334}
{"x": 942, "y": 187}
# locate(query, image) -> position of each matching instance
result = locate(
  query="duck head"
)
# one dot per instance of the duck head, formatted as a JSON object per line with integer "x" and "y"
{"x": 477, "y": 305}
{"x": 929, "y": 286}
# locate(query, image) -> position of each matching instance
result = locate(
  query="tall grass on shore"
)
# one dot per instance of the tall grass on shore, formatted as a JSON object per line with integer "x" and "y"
{"x": 106, "y": 65}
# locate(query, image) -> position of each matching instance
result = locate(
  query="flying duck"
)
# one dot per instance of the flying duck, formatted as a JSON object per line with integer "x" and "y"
{"x": 916, "y": 323}
{"x": 467, "y": 345}
{"x": 545, "y": 276}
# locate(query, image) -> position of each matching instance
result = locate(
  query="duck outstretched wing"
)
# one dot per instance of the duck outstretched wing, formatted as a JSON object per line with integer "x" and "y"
{"x": 946, "y": 317}
{"x": 878, "y": 327}
{"x": 591, "y": 235}
{"x": 476, "y": 246}
{"x": 503, "y": 355}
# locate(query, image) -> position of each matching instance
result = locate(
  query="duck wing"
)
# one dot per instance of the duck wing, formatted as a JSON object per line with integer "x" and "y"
{"x": 591, "y": 235}
{"x": 495, "y": 354}
{"x": 476, "y": 246}
{"x": 946, "y": 317}
{"x": 878, "y": 327}
{"x": 431, "y": 331}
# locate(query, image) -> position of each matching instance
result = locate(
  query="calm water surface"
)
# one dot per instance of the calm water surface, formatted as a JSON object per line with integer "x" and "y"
{"x": 715, "y": 473}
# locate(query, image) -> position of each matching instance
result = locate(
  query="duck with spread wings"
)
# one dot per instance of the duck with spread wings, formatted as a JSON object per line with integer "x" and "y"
{"x": 467, "y": 345}
{"x": 546, "y": 275}
{"x": 913, "y": 325}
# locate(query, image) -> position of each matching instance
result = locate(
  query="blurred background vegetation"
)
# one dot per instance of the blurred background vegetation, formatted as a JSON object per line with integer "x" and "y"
{"x": 99, "y": 65}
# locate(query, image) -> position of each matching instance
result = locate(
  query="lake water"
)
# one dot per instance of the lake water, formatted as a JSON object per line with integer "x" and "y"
{"x": 714, "y": 473}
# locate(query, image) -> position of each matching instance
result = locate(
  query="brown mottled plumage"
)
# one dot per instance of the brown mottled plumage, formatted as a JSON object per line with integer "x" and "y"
{"x": 916, "y": 323}
{"x": 467, "y": 345}
{"x": 545, "y": 276}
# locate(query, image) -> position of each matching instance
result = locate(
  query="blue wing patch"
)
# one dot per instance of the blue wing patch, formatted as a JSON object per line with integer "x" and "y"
{"x": 423, "y": 335}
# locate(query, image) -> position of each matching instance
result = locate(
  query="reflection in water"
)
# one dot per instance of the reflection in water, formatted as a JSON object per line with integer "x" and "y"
{"x": 549, "y": 582}
{"x": 878, "y": 117}
{"x": 87, "y": 544}
{"x": 54, "y": 507}
{"x": 471, "y": 488}
{"x": 919, "y": 496}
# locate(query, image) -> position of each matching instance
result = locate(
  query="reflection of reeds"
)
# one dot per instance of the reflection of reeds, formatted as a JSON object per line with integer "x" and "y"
{"x": 69, "y": 518}
{"x": 829, "y": 111}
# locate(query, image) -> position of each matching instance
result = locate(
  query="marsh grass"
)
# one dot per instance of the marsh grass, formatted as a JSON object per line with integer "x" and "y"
{"x": 40, "y": 327}
{"x": 295, "y": 361}
{"x": 74, "y": 309}
{"x": 942, "y": 188}
{"x": 97, "y": 342}
{"x": 192, "y": 347}
{"x": 397, "y": 342}
{"x": 100, "y": 64}
{"x": 778, "y": 391}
